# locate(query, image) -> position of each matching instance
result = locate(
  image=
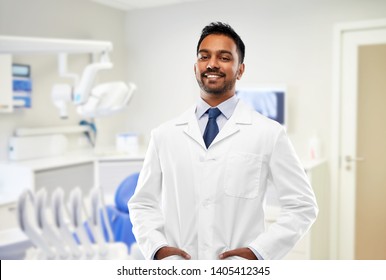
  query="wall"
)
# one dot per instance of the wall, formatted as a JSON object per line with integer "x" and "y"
{"x": 72, "y": 19}
{"x": 287, "y": 42}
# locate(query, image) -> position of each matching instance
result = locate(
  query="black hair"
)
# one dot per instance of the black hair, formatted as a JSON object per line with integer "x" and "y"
{"x": 223, "y": 29}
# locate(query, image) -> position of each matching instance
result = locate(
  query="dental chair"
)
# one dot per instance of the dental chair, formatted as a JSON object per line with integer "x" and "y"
{"x": 60, "y": 230}
{"x": 119, "y": 214}
{"x": 57, "y": 230}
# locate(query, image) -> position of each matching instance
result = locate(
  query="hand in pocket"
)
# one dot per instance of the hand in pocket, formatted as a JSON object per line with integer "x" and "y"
{"x": 237, "y": 254}
{"x": 171, "y": 253}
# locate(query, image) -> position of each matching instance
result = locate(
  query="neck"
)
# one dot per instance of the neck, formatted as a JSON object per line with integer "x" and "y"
{"x": 215, "y": 99}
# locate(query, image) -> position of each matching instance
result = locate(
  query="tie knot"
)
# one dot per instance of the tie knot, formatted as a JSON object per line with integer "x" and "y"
{"x": 214, "y": 113}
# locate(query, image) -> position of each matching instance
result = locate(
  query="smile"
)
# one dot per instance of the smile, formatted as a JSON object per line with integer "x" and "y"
{"x": 213, "y": 76}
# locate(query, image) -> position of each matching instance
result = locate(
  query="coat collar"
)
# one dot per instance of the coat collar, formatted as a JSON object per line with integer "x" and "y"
{"x": 241, "y": 116}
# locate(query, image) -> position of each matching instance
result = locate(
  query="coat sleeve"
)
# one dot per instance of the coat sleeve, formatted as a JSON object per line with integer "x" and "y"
{"x": 144, "y": 206}
{"x": 297, "y": 201}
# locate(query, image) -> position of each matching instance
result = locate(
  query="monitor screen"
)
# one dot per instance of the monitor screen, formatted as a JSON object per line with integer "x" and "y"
{"x": 270, "y": 102}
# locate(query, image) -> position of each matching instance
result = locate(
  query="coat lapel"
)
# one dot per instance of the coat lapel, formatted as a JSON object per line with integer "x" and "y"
{"x": 191, "y": 128}
{"x": 241, "y": 116}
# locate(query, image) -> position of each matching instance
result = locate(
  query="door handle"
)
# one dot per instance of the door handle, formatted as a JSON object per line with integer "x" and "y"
{"x": 350, "y": 158}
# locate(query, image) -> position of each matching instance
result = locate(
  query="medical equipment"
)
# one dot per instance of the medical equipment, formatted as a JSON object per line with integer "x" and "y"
{"x": 47, "y": 227}
{"x": 61, "y": 96}
{"x": 83, "y": 89}
{"x": 76, "y": 208}
{"x": 96, "y": 222}
{"x": 270, "y": 101}
{"x": 62, "y": 224}
{"x": 27, "y": 205}
{"x": 70, "y": 233}
{"x": 43, "y": 146}
{"x": 106, "y": 99}
{"x": 92, "y": 102}
{"x": 90, "y": 133}
{"x": 127, "y": 142}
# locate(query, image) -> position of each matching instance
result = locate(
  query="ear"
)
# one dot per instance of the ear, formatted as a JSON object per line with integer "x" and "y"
{"x": 195, "y": 68}
{"x": 240, "y": 71}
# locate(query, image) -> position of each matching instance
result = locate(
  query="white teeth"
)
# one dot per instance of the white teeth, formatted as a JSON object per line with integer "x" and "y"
{"x": 212, "y": 76}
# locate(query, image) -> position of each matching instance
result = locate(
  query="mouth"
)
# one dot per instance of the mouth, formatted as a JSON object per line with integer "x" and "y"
{"x": 213, "y": 76}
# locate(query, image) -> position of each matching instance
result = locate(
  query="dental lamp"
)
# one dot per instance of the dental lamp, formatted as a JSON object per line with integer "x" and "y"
{"x": 83, "y": 89}
{"x": 106, "y": 99}
{"x": 101, "y": 100}
{"x": 91, "y": 101}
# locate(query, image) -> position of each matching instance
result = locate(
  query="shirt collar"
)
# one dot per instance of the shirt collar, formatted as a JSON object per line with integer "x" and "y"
{"x": 227, "y": 107}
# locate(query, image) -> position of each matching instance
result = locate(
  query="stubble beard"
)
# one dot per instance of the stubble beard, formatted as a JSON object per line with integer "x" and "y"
{"x": 227, "y": 86}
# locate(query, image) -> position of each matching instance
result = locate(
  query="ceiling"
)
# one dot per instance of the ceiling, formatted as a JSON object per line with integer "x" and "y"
{"x": 140, "y": 4}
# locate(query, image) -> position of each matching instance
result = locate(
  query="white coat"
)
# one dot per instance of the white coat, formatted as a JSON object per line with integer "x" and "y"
{"x": 207, "y": 201}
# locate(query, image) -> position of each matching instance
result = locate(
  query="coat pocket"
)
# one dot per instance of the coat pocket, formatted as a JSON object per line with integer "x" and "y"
{"x": 242, "y": 175}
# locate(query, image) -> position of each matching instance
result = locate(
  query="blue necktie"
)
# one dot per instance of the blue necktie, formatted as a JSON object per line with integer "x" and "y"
{"x": 211, "y": 129}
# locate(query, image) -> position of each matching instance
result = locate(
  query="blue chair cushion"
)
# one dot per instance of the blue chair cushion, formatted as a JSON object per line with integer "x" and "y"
{"x": 121, "y": 226}
{"x": 125, "y": 191}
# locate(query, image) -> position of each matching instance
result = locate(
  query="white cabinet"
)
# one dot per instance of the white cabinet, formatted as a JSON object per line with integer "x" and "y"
{"x": 66, "y": 177}
{"x": 6, "y": 99}
{"x": 8, "y": 216}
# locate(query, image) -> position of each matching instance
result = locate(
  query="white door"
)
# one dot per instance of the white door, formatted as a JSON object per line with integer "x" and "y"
{"x": 351, "y": 161}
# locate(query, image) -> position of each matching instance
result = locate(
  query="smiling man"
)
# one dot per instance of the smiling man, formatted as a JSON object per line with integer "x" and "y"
{"x": 201, "y": 191}
{"x": 218, "y": 67}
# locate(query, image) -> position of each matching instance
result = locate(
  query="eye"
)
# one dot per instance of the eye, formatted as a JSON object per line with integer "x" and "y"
{"x": 225, "y": 58}
{"x": 203, "y": 57}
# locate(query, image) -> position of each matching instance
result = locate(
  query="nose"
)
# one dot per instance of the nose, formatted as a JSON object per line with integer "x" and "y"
{"x": 212, "y": 64}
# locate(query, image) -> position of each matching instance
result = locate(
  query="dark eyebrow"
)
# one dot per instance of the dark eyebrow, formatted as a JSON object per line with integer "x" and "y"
{"x": 226, "y": 52}
{"x": 221, "y": 51}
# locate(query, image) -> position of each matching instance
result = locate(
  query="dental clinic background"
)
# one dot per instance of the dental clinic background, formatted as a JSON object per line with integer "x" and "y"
{"x": 296, "y": 47}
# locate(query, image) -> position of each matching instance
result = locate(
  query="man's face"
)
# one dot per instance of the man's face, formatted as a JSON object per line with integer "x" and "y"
{"x": 217, "y": 67}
